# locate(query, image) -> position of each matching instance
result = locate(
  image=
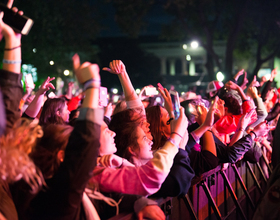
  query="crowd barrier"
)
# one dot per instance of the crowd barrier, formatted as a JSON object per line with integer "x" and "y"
{"x": 229, "y": 194}
{"x": 226, "y": 195}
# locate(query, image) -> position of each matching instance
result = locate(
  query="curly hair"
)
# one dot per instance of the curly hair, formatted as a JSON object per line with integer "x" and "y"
{"x": 49, "y": 111}
{"x": 15, "y": 163}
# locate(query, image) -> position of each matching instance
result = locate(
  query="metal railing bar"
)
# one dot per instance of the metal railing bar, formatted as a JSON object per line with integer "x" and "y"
{"x": 243, "y": 186}
{"x": 211, "y": 200}
{"x": 254, "y": 177}
{"x": 233, "y": 195}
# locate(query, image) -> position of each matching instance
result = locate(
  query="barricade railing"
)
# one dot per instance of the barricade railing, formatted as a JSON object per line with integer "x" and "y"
{"x": 229, "y": 194}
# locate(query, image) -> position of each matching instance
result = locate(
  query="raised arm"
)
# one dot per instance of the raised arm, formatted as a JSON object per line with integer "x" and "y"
{"x": 36, "y": 104}
{"x": 10, "y": 76}
{"x": 131, "y": 98}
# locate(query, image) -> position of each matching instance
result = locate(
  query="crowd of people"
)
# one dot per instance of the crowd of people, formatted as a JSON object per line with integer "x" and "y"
{"x": 67, "y": 157}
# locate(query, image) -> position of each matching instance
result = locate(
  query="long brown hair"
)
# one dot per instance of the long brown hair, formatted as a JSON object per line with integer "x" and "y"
{"x": 44, "y": 154}
{"x": 153, "y": 115}
{"x": 124, "y": 124}
{"x": 49, "y": 111}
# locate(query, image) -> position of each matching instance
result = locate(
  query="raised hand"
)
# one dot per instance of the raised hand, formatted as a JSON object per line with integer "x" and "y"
{"x": 254, "y": 82}
{"x": 273, "y": 74}
{"x": 6, "y": 30}
{"x": 46, "y": 85}
{"x": 237, "y": 75}
{"x": 86, "y": 71}
{"x": 115, "y": 67}
{"x": 244, "y": 120}
{"x": 252, "y": 92}
{"x": 231, "y": 85}
{"x": 167, "y": 100}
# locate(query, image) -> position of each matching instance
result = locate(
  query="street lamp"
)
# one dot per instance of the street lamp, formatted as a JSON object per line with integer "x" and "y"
{"x": 194, "y": 44}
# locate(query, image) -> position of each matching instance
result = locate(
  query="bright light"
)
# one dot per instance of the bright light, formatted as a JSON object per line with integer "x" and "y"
{"x": 194, "y": 44}
{"x": 188, "y": 57}
{"x": 66, "y": 72}
{"x": 198, "y": 83}
{"x": 34, "y": 50}
{"x": 185, "y": 46}
{"x": 115, "y": 91}
{"x": 24, "y": 66}
{"x": 182, "y": 93}
{"x": 51, "y": 62}
{"x": 137, "y": 91}
{"x": 220, "y": 76}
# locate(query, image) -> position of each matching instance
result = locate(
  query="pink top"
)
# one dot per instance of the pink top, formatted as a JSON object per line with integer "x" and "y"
{"x": 143, "y": 180}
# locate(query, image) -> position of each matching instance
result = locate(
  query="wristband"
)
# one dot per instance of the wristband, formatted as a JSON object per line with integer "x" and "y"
{"x": 8, "y": 49}
{"x": 254, "y": 133}
{"x": 91, "y": 84}
{"x": 11, "y": 61}
{"x": 177, "y": 134}
{"x": 172, "y": 141}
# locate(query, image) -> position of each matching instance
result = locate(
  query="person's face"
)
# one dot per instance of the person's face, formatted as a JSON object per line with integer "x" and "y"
{"x": 64, "y": 113}
{"x": 144, "y": 125}
{"x": 144, "y": 152}
{"x": 107, "y": 141}
{"x": 164, "y": 117}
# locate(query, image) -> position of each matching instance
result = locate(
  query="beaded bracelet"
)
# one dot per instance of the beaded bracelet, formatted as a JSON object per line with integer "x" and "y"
{"x": 8, "y": 49}
{"x": 172, "y": 141}
{"x": 11, "y": 61}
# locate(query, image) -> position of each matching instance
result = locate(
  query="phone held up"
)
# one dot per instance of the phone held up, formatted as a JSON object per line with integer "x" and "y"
{"x": 103, "y": 100}
{"x": 175, "y": 103}
{"x": 19, "y": 23}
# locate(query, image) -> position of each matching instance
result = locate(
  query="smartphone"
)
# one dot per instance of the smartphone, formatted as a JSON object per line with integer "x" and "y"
{"x": 29, "y": 81}
{"x": 175, "y": 103}
{"x": 151, "y": 91}
{"x": 19, "y": 23}
{"x": 103, "y": 100}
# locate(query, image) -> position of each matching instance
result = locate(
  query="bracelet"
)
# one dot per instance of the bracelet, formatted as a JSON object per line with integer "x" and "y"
{"x": 12, "y": 48}
{"x": 11, "y": 61}
{"x": 177, "y": 134}
{"x": 254, "y": 133}
{"x": 91, "y": 80}
{"x": 91, "y": 84}
{"x": 172, "y": 141}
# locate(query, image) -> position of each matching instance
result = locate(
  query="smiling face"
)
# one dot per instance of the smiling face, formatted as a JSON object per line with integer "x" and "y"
{"x": 107, "y": 141}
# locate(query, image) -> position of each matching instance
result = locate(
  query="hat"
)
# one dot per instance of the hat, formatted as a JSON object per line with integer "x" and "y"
{"x": 214, "y": 86}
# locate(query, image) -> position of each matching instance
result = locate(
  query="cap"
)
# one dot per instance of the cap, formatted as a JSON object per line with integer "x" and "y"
{"x": 214, "y": 86}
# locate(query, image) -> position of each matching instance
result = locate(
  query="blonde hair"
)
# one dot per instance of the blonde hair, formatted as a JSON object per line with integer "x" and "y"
{"x": 15, "y": 163}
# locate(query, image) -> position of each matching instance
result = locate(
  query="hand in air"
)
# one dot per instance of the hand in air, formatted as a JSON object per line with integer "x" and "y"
{"x": 115, "y": 67}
